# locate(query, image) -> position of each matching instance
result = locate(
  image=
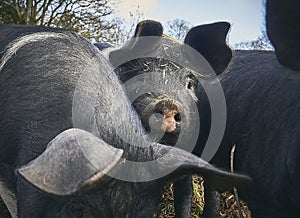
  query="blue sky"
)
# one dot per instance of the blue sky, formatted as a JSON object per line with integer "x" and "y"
{"x": 245, "y": 16}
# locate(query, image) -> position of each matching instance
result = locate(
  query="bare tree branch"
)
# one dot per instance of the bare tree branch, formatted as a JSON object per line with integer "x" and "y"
{"x": 178, "y": 28}
{"x": 91, "y": 18}
{"x": 261, "y": 43}
{"x": 55, "y": 9}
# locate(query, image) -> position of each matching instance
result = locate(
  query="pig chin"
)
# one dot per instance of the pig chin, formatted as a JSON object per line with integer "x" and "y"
{"x": 160, "y": 135}
{"x": 169, "y": 138}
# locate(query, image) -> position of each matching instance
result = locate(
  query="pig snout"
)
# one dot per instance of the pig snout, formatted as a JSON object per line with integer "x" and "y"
{"x": 170, "y": 118}
{"x": 169, "y": 115}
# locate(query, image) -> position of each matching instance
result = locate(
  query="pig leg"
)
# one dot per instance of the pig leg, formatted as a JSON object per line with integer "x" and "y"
{"x": 27, "y": 200}
{"x": 183, "y": 192}
{"x": 9, "y": 200}
{"x": 212, "y": 202}
{"x": 6, "y": 193}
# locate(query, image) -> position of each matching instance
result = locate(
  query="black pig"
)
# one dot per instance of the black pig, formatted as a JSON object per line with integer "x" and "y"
{"x": 263, "y": 121}
{"x": 172, "y": 73}
{"x": 262, "y": 91}
{"x": 262, "y": 112}
{"x": 71, "y": 145}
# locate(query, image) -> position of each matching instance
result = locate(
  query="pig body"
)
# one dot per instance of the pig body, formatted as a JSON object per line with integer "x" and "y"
{"x": 263, "y": 121}
{"x": 66, "y": 123}
{"x": 262, "y": 117}
{"x": 165, "y": 75}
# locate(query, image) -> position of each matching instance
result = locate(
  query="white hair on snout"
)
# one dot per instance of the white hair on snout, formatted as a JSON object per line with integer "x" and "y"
{"x": 15, "y": 45}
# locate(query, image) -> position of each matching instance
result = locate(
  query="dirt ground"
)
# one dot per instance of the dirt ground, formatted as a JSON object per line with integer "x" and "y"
{"x": 228, "y": 204}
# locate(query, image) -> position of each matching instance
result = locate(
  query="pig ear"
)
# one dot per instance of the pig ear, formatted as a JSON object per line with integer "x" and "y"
{"x": 74, "y": 160}
{"x": 184, "y": 163}
{"x": 146, "y": 37}
{"x": 282, "y": 21}
{"x": 210, "y": 41}
{"x": 148, "y": 28}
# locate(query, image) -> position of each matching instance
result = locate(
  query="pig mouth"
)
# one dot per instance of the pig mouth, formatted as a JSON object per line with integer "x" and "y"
{"x": 170, "y": 138}
{"x": 165, "y": 137}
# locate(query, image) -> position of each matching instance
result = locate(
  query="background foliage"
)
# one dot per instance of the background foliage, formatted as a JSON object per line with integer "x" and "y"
{"x": 95, "y": 20}
{"x": 88, "y": 17}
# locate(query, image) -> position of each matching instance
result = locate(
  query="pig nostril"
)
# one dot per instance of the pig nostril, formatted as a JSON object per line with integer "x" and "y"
{"x": 177, "y": 118}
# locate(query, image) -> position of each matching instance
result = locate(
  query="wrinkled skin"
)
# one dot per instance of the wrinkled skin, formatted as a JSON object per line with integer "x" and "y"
{"x": 164, "y": 114}
{"x": 54, "y": 159}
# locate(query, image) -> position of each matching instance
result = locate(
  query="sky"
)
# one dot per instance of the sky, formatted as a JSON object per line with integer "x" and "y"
{"x": 245, "y": 16}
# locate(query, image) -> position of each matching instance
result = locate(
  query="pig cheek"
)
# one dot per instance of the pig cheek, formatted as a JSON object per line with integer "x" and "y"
{"x": 155, "y": 121}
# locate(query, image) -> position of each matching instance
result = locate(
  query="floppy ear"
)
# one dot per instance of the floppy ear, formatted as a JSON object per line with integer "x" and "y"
{"x": 146, "y": 37}
{"x": 282, "y": 21}
{"x": 210, "y": 41}
{"x": 184, "y": 163}
{"x": 74, "y": 160}
{"x": 148, "y": 28}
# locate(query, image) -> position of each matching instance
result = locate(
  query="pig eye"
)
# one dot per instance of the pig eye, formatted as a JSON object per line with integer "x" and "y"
{"x": 191, "y": 82}
{"x": 148, "y": 94}
{"x": 189, "y": 85}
